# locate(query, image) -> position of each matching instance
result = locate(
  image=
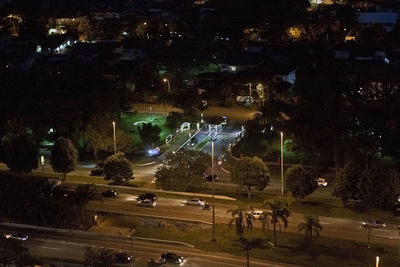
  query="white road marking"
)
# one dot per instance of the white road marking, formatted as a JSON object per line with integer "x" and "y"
{"x": 53, "y": 248}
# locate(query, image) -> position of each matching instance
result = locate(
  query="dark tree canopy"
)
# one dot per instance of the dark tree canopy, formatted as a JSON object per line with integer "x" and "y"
{"x": 149, "y": 133}
{"x": 379, "y": 187}
{"x": 347, "y": 180}
{"x": 12, "y": 253}
{"x": 183, "y": 171}
{"x": 118, "y": 169}
{"x": 299, "y": 182}
{"x": 250, "y": 172}
{"x": 99, "y": 257}
{"x": 21, "y": 154}
{"x": 64, "y": 156}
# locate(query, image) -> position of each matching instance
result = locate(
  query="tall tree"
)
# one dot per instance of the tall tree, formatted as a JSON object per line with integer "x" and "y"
{"x": 299, "y": 182}
{"x": 84, "y": 194}
{"x": 183, "y": 170}
{"x": 279, "y": 213}
{"x": 347, "y": 180}
{"x": 310, "y": 226}
{"x": 21, "y": 154}
{"x": 379, "y": 187}
{"x": 64, "y": 156}
{"x": 242, "y": 219}
{"x": 98, "y": 136}
{"x": 250, "y": 172}
{"x": 118, "y": 168}
{"x": 150, "y": 134}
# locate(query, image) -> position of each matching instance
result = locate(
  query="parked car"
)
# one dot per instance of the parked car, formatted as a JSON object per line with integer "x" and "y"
{"x": 171, "y": 258}
{"x": 373, "y": 224}
{"x": 195, "y": 202}
{"x": 147, "y": 196}
{"x": 97, "y": 172}
{"x": 121, "y": 257}
{"x": 258, "y": 213}
{"x": 110, "y": 194}
{"x": 18, "y": 236}
{"x": 146, "y": 203}
{"x": 209, "y": 178}
{"x": 321, "y": 181}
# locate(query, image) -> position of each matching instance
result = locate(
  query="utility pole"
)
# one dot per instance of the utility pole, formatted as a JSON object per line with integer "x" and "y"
{"x": 115, "y": 141}
{"x": 282, "y": 163}
{"x": 213, "y": 189}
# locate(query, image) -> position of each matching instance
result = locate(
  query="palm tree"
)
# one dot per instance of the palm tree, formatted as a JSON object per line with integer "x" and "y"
{"x": 279, "y": 213}
{"x": 241, "y": 218}
{"x": 84, "y": 194}
{"x": 310, "y": 226}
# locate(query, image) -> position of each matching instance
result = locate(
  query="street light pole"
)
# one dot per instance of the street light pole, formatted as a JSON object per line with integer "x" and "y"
{"x": 282, "y": 163}
{"x": 131, "y": 249}
{"x": 250, "y": 92}
{"x": 398, "y": 228}
{"x": 212, "y": 175}
{"x": 115, "y": 141}
{"x": 369, "y": 246}
{"x": 168, "y": 84}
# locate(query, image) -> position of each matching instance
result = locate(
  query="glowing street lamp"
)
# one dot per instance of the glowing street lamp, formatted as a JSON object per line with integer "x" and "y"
{"x": 168, "y": 83}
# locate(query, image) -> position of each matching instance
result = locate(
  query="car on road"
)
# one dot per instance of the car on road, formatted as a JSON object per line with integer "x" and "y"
{"x": 147, "y": 196}
{"x": 171, "y": 258}
{"x": 121, "y": 257}
{"x": 258, "y": 213}
{"x": 146, "y": 203}
{"x": 195, "y": 202}
{"x": 62, "y": 191}
{"x": 373, "y": 224}
{"x": 100, "y": 165}
{"x": 321, "y": 182}
{"x": 97, "y": 172}
{"x": 192, "y": 143}
{"x": 110, "y": 194}
{"x": 19, "y": 236}
{"x": 209, "y": 178}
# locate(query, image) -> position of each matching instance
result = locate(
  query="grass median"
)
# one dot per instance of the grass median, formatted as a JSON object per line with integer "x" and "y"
{"x": 291, "y": 247}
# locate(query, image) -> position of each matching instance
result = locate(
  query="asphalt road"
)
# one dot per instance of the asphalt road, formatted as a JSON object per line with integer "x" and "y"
{"x": 70, "y": 246}
{"x": 175, "y": 208}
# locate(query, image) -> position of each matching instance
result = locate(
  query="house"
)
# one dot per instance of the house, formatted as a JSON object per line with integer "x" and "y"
{"x": 240, "y": 61}
{"x": 105, "y": 15}
{"x": 387, "y": 19}
{"x": 54, "y": 44}
{"x": 60, "y": 24}
{"x": 284, "y": 73}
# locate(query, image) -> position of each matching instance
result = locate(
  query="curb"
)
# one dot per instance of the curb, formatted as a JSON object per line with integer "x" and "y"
{"x": 78, "y": 232}
{"x": 146, "y": 164}
{"x": 137, "y": 189}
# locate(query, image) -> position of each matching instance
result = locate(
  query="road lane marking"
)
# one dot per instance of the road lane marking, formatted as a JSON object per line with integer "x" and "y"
{"x": 53, "y": 248}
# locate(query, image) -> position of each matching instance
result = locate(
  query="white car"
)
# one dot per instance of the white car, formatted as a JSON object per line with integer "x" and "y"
{"x": 195, "y": 202}
{"x": 18, "y": 236}
{"x": 258, "y": 213}
{"x": 146, "y": 203}
{"x": 321, "y": 182}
